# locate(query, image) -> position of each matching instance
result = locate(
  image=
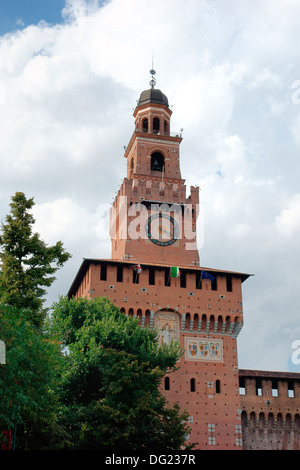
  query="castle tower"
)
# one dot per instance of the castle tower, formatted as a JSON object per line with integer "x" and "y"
{"x": 153, "y": 233}
{"x": 151, "y": 218}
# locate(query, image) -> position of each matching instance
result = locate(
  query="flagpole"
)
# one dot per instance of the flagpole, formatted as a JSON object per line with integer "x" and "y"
{"x": 199, "y": 284}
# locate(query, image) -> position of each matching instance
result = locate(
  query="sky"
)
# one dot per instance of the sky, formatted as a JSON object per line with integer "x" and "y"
{"x": 70, "y": 75}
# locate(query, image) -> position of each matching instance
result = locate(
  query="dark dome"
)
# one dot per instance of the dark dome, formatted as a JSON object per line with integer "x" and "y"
{"x": 153, "y": 96}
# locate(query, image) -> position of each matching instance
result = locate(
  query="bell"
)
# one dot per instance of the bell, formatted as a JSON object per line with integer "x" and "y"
{"x": 156, "y": 166}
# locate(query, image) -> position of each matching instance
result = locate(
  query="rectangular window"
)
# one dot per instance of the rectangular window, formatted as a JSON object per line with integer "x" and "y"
{"x": 119, "y": 273}
{"x": 258, "y": 387}
{"x": 214, "y": 284}
{"x": 229, "y": 283}
{"x": 198, "y": 280}
{"x": 291, "y": 393}
{"x": 167, "y": 277}
{"x": 103, "y": 272}
{"x": 151, "y": 277}
{"x": 242, "y": 388}
{"x": 274, "y": 388}
{"x": 182, "y": 278}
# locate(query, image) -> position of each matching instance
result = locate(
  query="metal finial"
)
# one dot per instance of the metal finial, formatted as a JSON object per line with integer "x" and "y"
{"x": 152, "y": 81}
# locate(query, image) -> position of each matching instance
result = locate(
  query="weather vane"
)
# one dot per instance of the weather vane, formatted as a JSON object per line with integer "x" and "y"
{"x": 152, "y": 72}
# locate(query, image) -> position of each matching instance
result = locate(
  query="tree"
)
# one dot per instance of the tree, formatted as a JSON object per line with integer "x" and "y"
{"x": 112, "y": 378}
{"x": 29, "y": 382}
{"x": 27, "y": 263}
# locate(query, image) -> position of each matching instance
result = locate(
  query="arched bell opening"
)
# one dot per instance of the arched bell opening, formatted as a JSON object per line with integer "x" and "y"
{"x": 157, "y": 162}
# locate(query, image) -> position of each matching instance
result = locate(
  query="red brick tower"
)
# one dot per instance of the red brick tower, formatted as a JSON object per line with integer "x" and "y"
{"x": 153, "y": 226}
{"x": 152, "y": 219}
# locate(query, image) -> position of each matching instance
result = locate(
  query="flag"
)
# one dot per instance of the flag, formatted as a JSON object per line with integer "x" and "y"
{"x": 205, "y": 275}
{"x": 137, "y": 268}
{"x": 175, "y": 272}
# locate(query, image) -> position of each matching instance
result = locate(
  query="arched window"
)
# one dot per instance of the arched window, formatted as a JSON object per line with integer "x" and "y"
{"x": 187, "y": 321}
{"x": 262, "y": 420}
{"x": 156, "y": 125}
{"x": 167, "y": 383}
{"x": 252, "y": 420}
{"x": 270, "y": 420}
{"x": 147, "y": 317}
{"x": 157, "y": 162}
{"x": 288, "y": 422}
{"x": 193, "y": 385}
{"x": 279, "y": 421}
{"x": 139, "y": 314}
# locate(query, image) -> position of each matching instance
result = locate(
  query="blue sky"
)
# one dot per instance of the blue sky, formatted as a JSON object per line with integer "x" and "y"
{"x": 15, "y": 14}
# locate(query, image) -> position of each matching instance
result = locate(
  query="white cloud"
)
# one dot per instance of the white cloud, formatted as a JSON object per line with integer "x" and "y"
{"x": 288, "y": 221}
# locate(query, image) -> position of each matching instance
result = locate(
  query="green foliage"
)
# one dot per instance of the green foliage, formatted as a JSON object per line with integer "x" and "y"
{"x": 111, "y": 383}
{"x": 29, "y": 381}
{"x": 27, "y": 263}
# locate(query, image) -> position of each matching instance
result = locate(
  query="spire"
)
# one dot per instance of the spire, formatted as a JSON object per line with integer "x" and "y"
{"x": 153, "y": 95}
{"x": 152, "y": 82}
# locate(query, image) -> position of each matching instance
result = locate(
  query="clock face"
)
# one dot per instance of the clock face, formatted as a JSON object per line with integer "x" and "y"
{"x": 162, "y": 229}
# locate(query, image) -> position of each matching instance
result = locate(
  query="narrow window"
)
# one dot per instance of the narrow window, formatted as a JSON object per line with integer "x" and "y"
{"x": 214, "y": 284}
{"x": 258, "y": 387}
{"x": 291, "y": 393}
{"x": 198, "y": 280}
{"x": 119, "y": 273}
{"x": 218, "y": 386}
{"x": 103, "y": 272}
{"x": 151, "y": 276}
{"x": 193, "y": 385}
{"x": 167, "y": 383}
{"x": 155, "y": 125}
{"x": 274, "y": 388}
{"x": 167, "y": 278}
{"x": 242, "y": 387}
{"x": 229, "y": 283}
{"x": 182, "y": 278}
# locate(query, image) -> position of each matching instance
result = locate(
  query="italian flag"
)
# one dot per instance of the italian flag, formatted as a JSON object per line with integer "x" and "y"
{"x": 175, "y": 272}
{"x": 137, "y": 268}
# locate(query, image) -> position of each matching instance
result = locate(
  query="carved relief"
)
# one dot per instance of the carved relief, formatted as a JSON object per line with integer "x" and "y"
{"x": 168, "y": 326}
{"x": 206, "y": 350}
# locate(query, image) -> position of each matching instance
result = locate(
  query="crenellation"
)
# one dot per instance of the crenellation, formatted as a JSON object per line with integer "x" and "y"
{"x": 201, "y": 308}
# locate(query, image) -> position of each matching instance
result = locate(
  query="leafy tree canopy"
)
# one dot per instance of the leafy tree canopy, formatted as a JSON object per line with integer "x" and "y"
{"x": 29, "y": 381}
{"x": 27, "y": 264}
{"x": 111, "y": 383}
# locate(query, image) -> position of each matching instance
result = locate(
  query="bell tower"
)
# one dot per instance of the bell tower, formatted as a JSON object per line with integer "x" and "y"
{"x": 155, "y": 276}
{"x": 152, "y": 218}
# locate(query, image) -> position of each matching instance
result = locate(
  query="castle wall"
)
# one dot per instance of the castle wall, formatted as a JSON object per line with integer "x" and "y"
{"x": 206, "y": 318}
{"x": 270, "y": 403}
